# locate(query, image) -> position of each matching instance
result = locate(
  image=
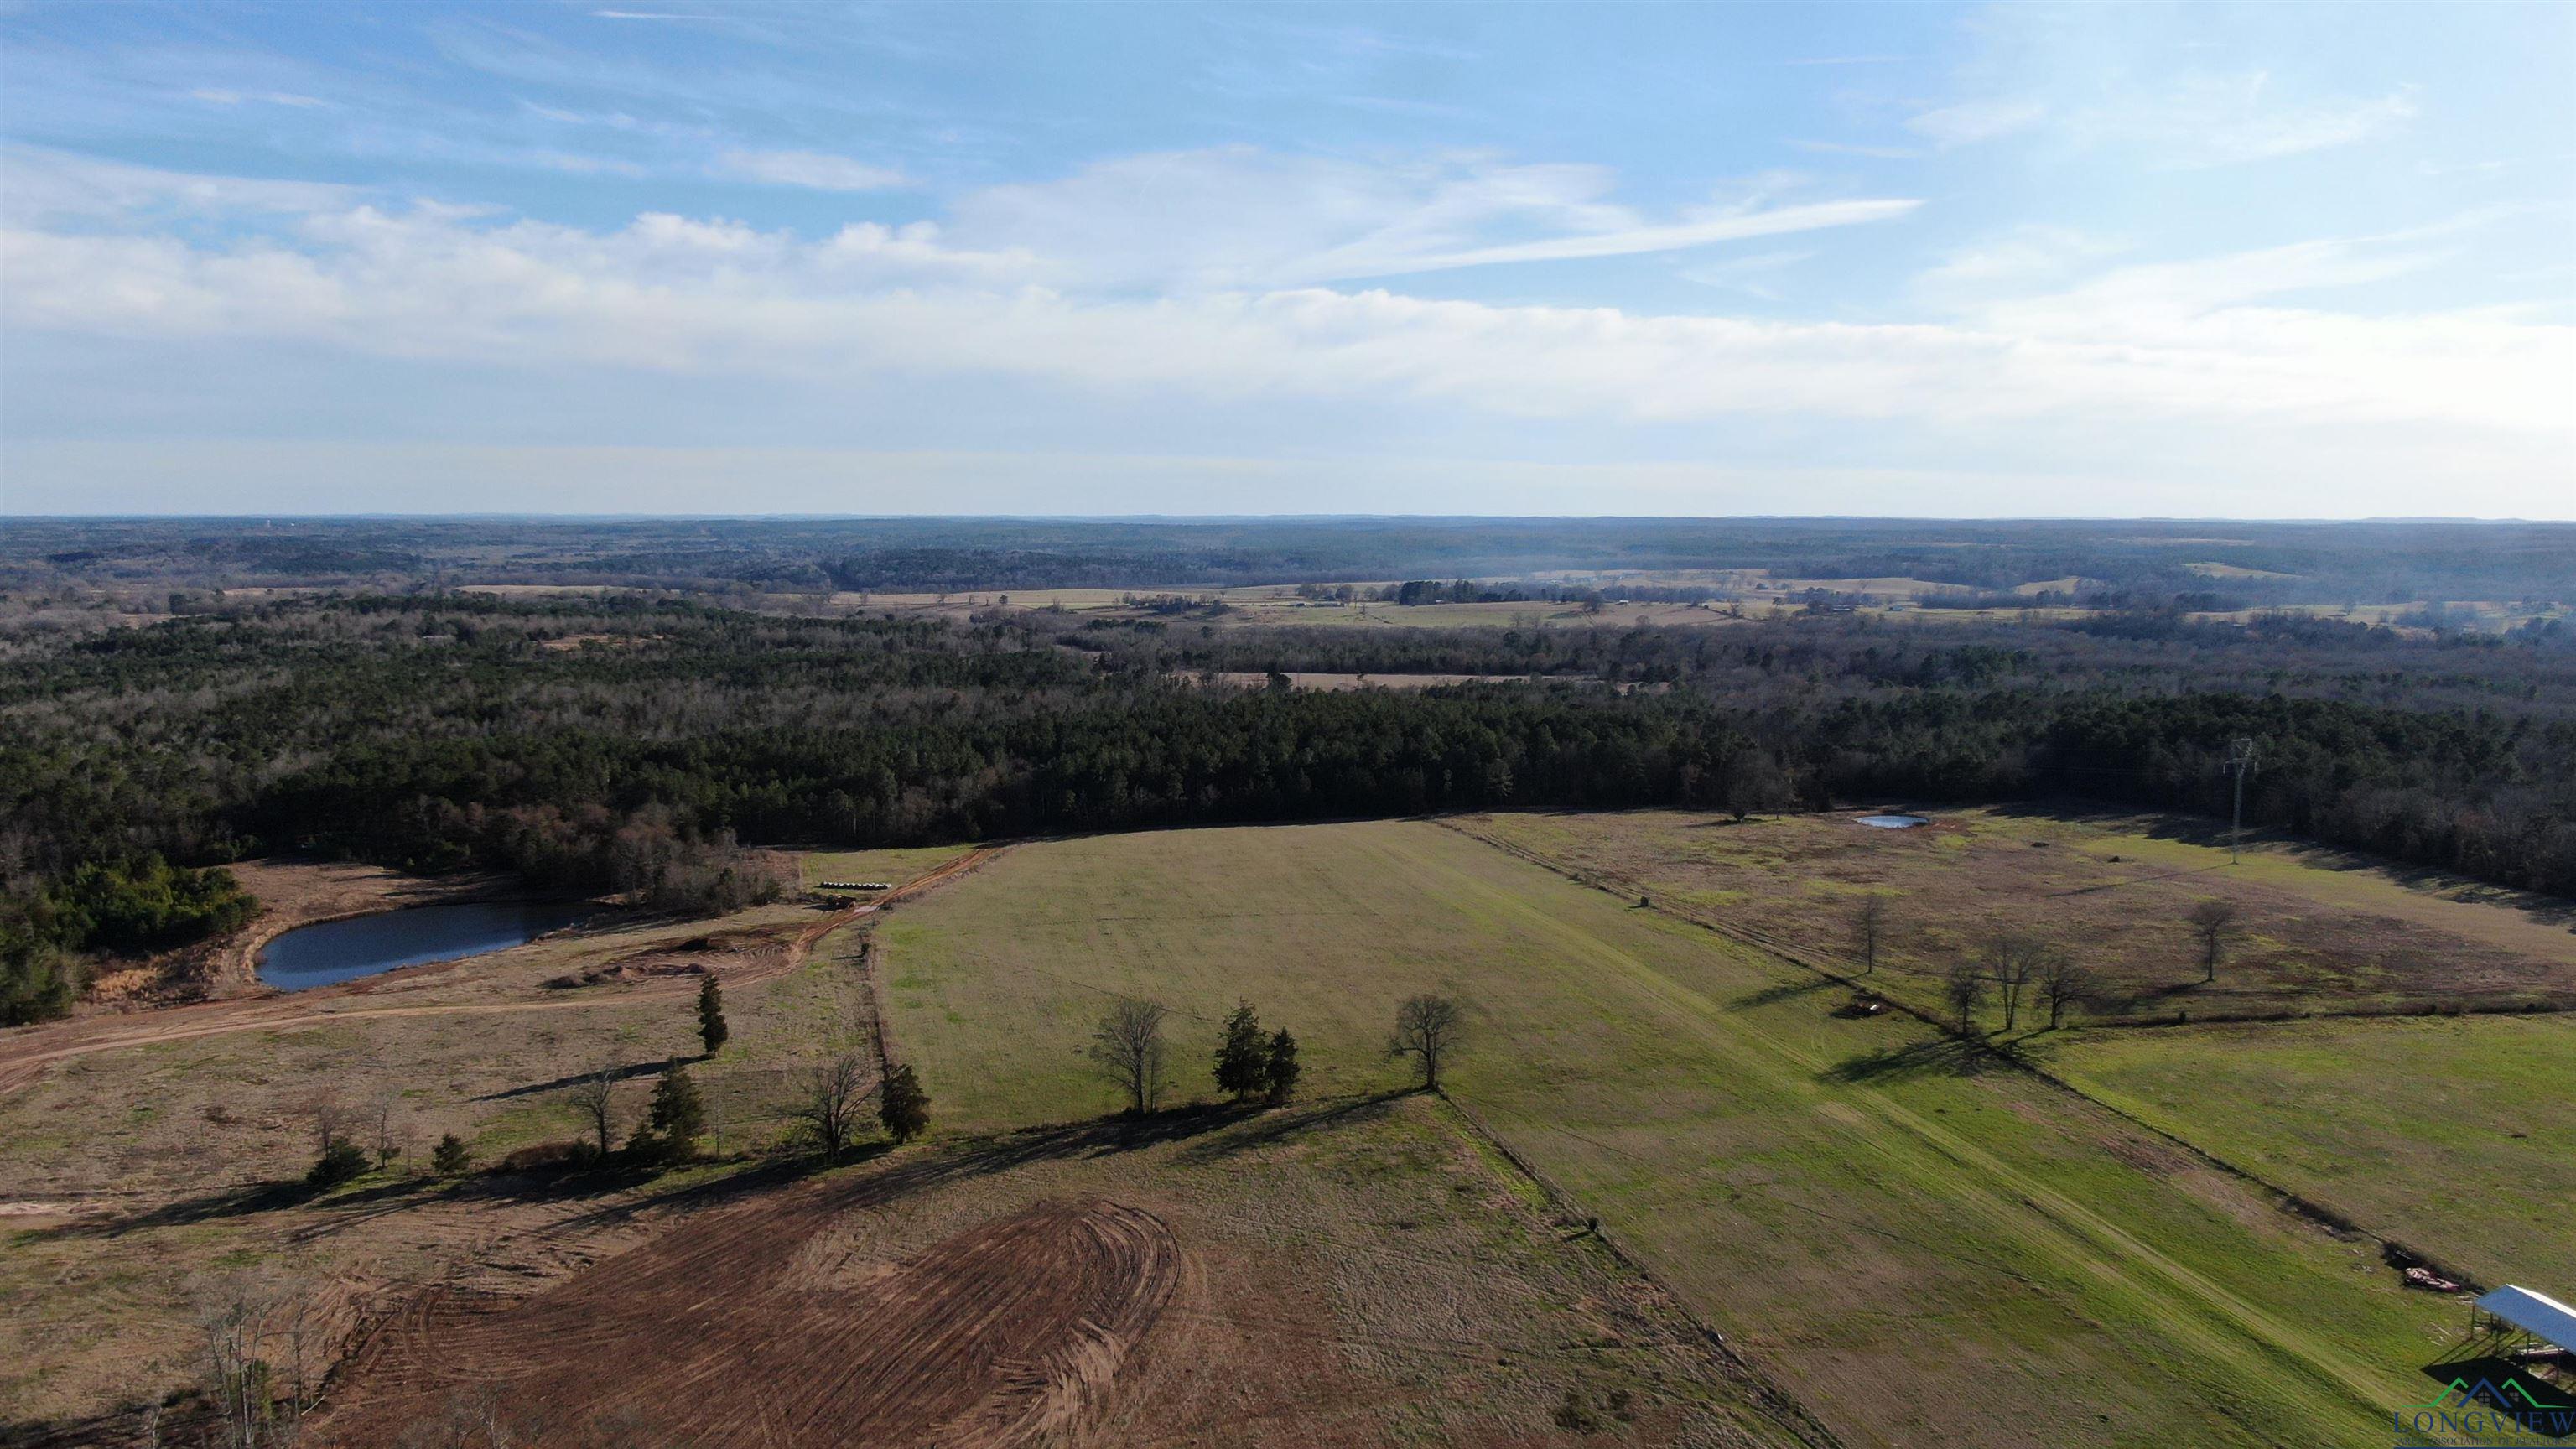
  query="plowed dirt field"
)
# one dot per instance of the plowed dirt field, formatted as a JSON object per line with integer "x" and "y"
{"x": 1007, "y": 1334}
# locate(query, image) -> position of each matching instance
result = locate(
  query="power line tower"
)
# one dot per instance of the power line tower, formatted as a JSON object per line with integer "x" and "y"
{"x": 2240, "y": 763}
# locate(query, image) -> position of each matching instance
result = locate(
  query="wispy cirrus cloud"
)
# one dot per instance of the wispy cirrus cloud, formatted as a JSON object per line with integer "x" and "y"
{"x": 1969, "y": 122}
{"x": 2205, "y": 120}
{"x": 1849, "y": 148}
{"x": 817, "y": 170}
{"x": 2194, "y": 121}
{"x": 217, "y": 96}
{"x": 1234, "y": 217}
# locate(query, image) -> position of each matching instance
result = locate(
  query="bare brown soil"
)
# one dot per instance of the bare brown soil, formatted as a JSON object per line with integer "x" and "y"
{"x": 1011, "y": 1333}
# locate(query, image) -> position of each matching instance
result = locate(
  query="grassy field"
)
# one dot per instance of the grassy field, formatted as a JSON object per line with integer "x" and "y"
{"x": 1361, "y": 1269}
{"x": 2454, "y": 1135}
{"x": 1921, "y": 1251}
{"x": 2318, "y": 930}
{"x": 817, "y": 866}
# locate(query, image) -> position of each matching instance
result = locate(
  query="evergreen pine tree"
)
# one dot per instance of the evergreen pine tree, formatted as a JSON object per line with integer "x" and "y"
{"x": 449, "y": 1158}
{"x": 1279, "y": 1067}
{"x": 903, "y": 1106}
{"x": 679, "y": 1115}
{"x": 1239, "y": 1057}
{"x": 711, "y": 1022}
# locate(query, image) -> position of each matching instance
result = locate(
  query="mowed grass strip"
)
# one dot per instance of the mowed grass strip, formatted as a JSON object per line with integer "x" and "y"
{"x": 1922, "y": 1255}
{"x": 2454, "y": 1135}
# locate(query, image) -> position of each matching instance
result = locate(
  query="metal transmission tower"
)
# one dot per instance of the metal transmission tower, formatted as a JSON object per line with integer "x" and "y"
{"x": 2240, "y": 763}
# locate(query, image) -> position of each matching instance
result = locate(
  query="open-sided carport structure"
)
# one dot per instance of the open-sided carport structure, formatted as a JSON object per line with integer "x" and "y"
{"x": 2533, "y": 1315}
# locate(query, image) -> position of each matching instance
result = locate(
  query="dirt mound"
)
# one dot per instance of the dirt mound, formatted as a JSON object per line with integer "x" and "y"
{"x": 1008, "y": 1334}
{"x": 727, "y": 954}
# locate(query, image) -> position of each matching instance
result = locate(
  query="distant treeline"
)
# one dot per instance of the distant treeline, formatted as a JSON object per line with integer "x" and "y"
{"x": 2125, "y": 564}
{"x": 626, "y": 746}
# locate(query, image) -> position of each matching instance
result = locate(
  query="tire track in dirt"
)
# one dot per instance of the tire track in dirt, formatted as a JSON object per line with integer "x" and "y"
{"x": 311, "y": 1009}
{"x": 1011, "y": 1333}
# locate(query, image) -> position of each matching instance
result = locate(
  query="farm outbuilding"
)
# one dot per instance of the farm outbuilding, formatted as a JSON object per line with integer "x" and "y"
{"x": 2537, "y": 1314}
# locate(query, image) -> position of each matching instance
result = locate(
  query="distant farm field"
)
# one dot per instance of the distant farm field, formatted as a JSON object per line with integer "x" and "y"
{"x": 1920, "y": 1250}
{"x": 893, "y": 866}
{"x": 2315, "y": 930}
{"x": 2457, "y": 1135}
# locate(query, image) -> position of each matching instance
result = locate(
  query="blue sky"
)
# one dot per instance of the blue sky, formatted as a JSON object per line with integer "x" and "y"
{"x": 2267, "y": 260}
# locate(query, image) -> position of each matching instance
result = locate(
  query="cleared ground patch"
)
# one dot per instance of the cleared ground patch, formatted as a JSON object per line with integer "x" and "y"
{"x": 1351, "y": 1272}
{"x": 2456, "y": 1135}
{"x": 1921, "y": 1251}
{"x": 166, "y": 1148}
{"x": 2316, "y": 930}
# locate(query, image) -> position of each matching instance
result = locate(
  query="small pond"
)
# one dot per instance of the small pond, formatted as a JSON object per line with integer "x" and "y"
{"x": 1893, "y": 822}
{"x": 319, "y": 955}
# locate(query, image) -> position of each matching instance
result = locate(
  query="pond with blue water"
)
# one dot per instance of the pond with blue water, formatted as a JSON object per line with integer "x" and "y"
{"x": 335, "y": 951}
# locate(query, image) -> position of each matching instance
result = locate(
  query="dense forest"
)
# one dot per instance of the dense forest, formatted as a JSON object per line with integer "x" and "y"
{"x": 629, "y": 744}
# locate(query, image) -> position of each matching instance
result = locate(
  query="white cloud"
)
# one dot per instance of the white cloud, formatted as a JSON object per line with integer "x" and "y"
{"x": 2038, "y": 346}
{"x": 683, "y": 295}
{"x": 1234, "y": 217}
{"x": 1847, "y": 148}
{"x": 1969, "y": 122}
{"x": 45, "y": 186}
{"x": 2014, "y": 263}
{"x": 275, "y": 98}
{"x": 2194, "y": 121}
{"x": 2204, "y": 120}
{"x": 814, "y": 169}
{"x": 1745, "y": 274}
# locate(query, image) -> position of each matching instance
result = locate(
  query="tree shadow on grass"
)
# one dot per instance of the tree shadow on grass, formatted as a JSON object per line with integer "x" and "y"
{"x": 628, "y": 1072}
{"x": 238, "y": 1201}
{"x": 1941, "y": 1056}
{"x": 1785, "y": 991}
{"x": 1277, "y": 1125}
{"x": 246, "y": 1199}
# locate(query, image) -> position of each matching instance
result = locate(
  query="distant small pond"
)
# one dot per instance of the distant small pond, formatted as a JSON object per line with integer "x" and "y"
{"x": 1893, "y": 822}
{"x": 332, "y": 951}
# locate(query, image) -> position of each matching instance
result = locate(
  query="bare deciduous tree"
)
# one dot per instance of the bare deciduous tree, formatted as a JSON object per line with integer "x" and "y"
{"x": 246, "y": 1320}
{"x": 2213, "y": 924}
{"x": 380, "y": 1113}
{"x": 330, "y": 1118}
{"x": 595, "y": 1097}
{"x": 1127, "y": 1045}
{"x": 1428, "y": 1029}
{"x": 2012, "y": 960}
{"x": 1964, "y": 988}
{"x": 1869, "y": 931}
{"x": 830, "y": 1105}
{"x": 2062, "y": 984}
